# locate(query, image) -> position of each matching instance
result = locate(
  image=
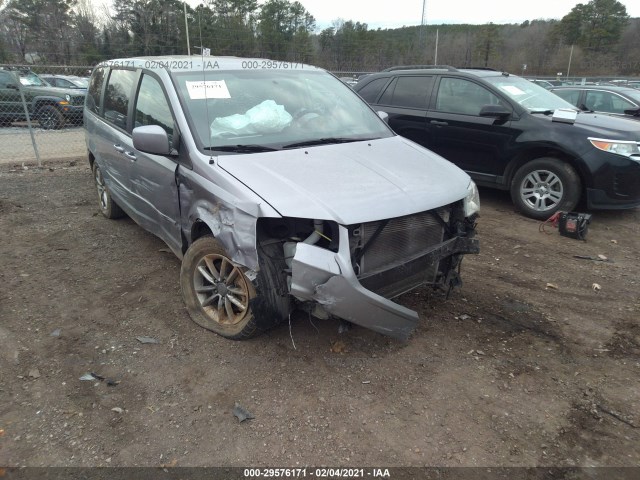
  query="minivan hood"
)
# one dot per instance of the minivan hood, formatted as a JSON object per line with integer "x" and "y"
{"x": 350, "y": 182}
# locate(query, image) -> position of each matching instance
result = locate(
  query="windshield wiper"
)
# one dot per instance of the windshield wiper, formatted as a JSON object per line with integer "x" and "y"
{"x": 242, "y": 148}
{"x": 324, "y": 141}
{"x": 542, "y": 112}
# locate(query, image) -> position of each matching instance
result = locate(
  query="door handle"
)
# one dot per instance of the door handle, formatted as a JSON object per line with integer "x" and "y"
{"x": 118, "y": 148}
{"x": 131, "y": 156}
{"x": 438, "y": 122}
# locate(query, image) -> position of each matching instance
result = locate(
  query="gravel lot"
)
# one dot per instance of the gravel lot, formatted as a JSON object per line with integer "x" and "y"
{"x": 525, "y": 365}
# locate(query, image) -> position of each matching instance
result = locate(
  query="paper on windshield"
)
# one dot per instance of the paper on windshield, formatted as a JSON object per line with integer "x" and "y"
{"x": 207, "y": 89}
{"x": 513, "y": 90}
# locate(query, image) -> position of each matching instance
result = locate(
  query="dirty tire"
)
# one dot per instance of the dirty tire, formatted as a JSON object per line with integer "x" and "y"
{"x": 108, "y": 206}
{"x": 545, "y": 186}
{"x": 50, "y": 118}
{"x": 218, "y": 295}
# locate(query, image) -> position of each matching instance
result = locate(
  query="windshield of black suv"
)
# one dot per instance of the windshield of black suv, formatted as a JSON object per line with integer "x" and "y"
{"x": 274, "y": 109}
{"x": 30, "y": 79}
{"x": 529, "y": 95}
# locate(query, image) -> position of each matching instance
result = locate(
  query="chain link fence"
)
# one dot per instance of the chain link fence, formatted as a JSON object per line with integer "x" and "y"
{"x": 41, "y": 110}
{"x": 41, "y": 113}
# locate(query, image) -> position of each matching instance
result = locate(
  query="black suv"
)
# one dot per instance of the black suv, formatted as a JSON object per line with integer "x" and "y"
{"x": 52, "y": 107}
{"x": 512, "y": 134}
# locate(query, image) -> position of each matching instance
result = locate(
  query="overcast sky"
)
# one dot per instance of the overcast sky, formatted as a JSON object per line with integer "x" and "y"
{"x": 396, "y": 13}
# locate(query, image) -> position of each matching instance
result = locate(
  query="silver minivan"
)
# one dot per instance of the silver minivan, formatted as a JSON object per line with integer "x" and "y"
{"x": 278, "y": 187}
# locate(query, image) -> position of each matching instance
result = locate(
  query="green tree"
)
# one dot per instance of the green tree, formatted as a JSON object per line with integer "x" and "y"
{"x": 234, "y": 25}
{"x": 284, "y": 30}
{"x": 488, "y": 43}
{"x": 597, "y": 25}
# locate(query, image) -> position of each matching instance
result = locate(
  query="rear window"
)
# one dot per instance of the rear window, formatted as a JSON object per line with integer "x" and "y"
{"x": 95, "y": 88}
{"x": 371, "y": 91}
{"x": 118, "y": 96}
{"x": 409, "y": 91}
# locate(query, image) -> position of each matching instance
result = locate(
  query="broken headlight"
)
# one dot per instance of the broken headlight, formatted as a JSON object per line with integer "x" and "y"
{"x": 472, "y": 200}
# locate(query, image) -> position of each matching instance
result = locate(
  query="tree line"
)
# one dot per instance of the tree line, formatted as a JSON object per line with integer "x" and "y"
{"x": 595, "y": 38}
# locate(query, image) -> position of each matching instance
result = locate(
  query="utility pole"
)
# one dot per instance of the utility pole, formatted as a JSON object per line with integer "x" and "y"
{"x": 422, "y": 37}
{"x": 186, "y": 27}
{"x": 569, "y": 66}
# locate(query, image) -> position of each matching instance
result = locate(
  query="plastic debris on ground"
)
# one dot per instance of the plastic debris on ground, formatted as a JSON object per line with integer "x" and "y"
{"x": 147, "y": 340}
{"x": 242, "y": 413}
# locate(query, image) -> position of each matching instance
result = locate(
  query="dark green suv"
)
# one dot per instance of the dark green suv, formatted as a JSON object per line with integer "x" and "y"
{"x": 51, "y": 107}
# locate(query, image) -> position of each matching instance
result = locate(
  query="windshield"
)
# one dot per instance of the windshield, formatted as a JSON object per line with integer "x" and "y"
{"x": 632, "y": 94}
{"x": 80, "y": 82}
{"x": 529, "y": 95}
{"x": 31, "y": 79}
{"x": 275, "y": 109}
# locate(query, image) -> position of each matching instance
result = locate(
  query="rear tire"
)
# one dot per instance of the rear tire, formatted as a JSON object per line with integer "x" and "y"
{"x": 108, "y": 206}
{"x": 545, "y": 186}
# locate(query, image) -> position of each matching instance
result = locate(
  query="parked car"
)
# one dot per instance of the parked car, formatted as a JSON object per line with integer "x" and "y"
{"x": 278, "y": 187}
{"x": 614, "y": 100}
{"x": 543, "y": 83}
{"x": 51, "y": 107}
{"x": 351, "y": 81}
{"x": 509, "y": 133}
{"x": 66, "y": 81}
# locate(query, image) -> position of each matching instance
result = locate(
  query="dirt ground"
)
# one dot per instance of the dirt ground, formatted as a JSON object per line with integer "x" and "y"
{"x": 525, "y": 365}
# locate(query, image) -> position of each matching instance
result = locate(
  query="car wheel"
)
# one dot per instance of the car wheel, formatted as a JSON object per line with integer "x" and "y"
{"x": 545, "y": 186}
{"x": 50, "y": 118}
{"x": 108, "y": 206}
{"x": 220, "y": 297}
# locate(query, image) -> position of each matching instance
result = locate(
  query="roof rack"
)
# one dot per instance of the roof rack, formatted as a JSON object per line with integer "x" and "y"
{"x": 481, "y": 68}
{"x": 421, "y": 67}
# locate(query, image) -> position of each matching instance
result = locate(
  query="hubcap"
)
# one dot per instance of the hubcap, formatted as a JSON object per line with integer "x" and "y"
{"x": 541, "y": 190}
{"x": 47, "y": 119}
{"x": 221, "y": 289}
{"x": 102, "y": 191}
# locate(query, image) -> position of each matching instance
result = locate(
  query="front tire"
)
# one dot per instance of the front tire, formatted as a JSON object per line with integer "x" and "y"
{"x": 545, "y": 186}
{"x": 50, "y": 118}
{"x": 216, "y": 292}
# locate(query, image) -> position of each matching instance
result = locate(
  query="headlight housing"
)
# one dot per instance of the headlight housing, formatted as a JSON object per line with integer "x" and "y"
{"x": 472, "y": 200}
{"x": 67, "y": 98}
{"x": 619, "y": 147}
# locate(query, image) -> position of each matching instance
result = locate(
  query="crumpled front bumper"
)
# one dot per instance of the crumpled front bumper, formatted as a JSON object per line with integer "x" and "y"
{"x": 328, "y": 278}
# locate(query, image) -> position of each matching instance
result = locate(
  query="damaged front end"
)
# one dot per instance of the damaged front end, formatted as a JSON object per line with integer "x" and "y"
{"x": 353, "y": 271}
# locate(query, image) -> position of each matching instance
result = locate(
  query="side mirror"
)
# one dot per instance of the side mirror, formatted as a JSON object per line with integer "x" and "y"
{"x": 152, "y": 139}
{"x": 495, "y": 111}
{"x": 384, "y": 116}
{"x": 633, "y": 111}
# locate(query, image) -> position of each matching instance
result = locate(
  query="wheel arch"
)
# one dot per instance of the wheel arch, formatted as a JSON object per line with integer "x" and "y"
{"x": 199, "y": 229}
{"x": 540, "y": 152}
{"x": 39, "y": 102}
